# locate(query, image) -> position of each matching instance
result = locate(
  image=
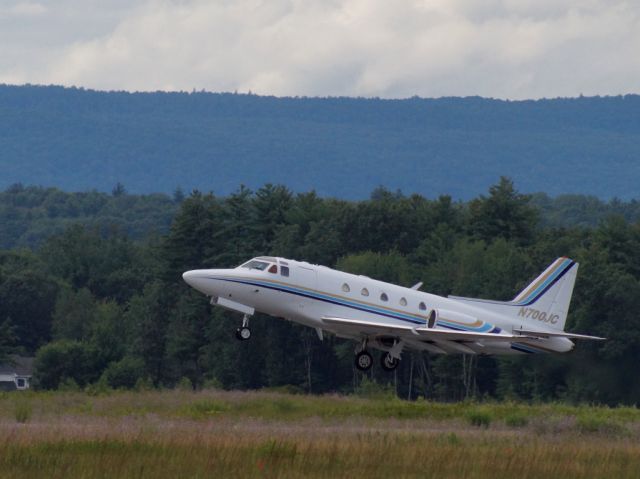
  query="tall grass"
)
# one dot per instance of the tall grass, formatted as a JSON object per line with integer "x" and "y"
{"x": 368, "y": 455}
{"x": 266, "y": 405}
{"x": 163, "y": 434}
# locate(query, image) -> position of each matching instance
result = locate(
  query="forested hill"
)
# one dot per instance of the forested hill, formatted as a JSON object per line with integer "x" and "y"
{"x": 31, "y": 215}
{"x": 344, "y": 147}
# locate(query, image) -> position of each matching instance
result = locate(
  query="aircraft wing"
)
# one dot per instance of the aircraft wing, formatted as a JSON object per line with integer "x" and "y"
{"x": 372, "y": 328}
{"x": 558, "y": 334}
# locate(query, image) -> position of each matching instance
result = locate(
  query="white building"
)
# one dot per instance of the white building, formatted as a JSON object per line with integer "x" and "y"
{"x": 16, "y": 373}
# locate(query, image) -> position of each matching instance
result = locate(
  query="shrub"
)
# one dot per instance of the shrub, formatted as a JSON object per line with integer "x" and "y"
{"x": 479, "y": 418}
{"x": 22, "y": 411}
{"x": 144, "y": 384}
{"x": 373, "y": 390}
{"x": 185, "y": 384}
{"x": 68, "y": 385}
{"x": 99, "y": 388}
{"x": 61, "y": 360}
{"x": 594, "y": 424}
{"x": 212, "y": 383}
{"x": 516, "y": 420}
{"x": 125, "y": 373}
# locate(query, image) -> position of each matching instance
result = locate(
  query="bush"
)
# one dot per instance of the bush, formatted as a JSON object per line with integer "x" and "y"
{"x": 99, "y": 388}
{"x": 373, "y": 390}
{"x": 594, "y": 424}
{"x": 65, "y": 360}
{"x": 22, "y": 411}
{"x": 479, "y": 418}
{"x": 516, "y": 420}
{"x": 185, "y": 384}
{"x": 124, "y": 374}
{"x": 144, "y": 384}
{"x": 68, "y": 385}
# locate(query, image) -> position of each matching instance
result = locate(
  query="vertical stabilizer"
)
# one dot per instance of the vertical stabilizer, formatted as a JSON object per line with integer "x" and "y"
{"x": 544, "y": 302}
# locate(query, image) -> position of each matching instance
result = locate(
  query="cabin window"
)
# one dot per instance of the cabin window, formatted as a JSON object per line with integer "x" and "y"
{"x": 273, "y": 269}
{"x": 423, "y": 307}
{"x": 284, "y": 270}
{"x": 346, "y": 288}
{"x": 403, "y": 302}
{"x": 384, "y": 297}
{"x": 364, "y": 292}
{"x": 20, "y": 383}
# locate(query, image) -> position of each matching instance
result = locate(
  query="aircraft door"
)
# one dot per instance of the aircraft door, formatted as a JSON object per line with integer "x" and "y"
{"x": 307, "y": 279}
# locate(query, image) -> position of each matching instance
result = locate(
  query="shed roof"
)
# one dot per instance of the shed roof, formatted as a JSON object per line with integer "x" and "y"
{"x": 20, "y": 365}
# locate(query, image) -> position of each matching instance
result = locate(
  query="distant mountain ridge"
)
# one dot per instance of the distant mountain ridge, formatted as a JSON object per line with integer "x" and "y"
{"x": 80, "y": 139}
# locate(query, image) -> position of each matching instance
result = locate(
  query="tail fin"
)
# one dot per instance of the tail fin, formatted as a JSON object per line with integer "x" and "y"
{"x": 545, "y": 302}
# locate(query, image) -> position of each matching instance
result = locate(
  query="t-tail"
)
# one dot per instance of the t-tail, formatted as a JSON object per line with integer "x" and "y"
{"x": 541, "y": 308}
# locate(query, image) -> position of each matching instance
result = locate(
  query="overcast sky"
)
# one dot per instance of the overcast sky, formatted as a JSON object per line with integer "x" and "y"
{"x": 386, "y": 48}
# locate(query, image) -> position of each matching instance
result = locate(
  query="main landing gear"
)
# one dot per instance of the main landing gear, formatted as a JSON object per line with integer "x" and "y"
{"x": 364, "y": 360}
{"x": 388, "y": 361}
{"x": 243, "y": 333}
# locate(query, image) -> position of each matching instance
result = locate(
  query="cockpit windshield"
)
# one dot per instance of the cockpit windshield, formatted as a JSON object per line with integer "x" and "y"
{"x": 255, "y": 264}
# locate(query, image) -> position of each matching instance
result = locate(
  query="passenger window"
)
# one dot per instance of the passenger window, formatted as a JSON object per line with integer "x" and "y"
{"x": 423, "y": 307}
{"x": 364, "y": 292}
{"x": 403, "y": 302}
{"x": 284, "y": 270}
{"x": 273, "y": 269}
{"x": 346, "y": 288}
{"x": 384, "y": 297}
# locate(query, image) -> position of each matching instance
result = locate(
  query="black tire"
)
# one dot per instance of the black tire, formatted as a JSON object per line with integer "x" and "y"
{"x": 238, "y": 337}
{"x": 388, "y": 362}
{"x": 244, "y": 333}
{"x": 364, "y": 361}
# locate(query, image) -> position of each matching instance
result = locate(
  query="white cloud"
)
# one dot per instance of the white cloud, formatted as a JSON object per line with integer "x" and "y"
{"x": 21, "y": 9}
{"x": 500, "y": 48}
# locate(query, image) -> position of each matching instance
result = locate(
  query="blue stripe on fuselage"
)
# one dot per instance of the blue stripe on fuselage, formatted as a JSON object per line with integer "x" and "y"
{"x": 486, "y": 327}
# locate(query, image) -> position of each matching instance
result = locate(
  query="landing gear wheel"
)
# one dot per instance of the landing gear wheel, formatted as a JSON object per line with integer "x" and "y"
{"x": 364, "y": 360}
{"x": 243, "y": 333}
{"x": 388, "y": 362}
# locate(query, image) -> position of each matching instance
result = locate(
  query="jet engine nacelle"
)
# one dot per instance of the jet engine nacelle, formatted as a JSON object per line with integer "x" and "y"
{"x": 456, "y": 317}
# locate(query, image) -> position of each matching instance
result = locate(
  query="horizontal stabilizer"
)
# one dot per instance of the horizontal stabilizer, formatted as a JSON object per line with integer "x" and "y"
{"x": 557, "y": 334}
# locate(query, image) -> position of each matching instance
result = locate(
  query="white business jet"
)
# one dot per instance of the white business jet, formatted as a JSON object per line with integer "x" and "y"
{"x": 391, "y": 318}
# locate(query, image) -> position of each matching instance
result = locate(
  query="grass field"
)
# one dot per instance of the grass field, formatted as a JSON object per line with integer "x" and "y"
{"x": 162, "y": 434}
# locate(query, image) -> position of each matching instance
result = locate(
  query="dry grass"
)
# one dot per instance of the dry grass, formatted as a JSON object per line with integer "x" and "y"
{"x": 234, "y": 434}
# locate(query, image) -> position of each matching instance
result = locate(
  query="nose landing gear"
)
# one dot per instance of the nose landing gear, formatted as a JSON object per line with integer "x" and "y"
{"x": 243, "y": 333}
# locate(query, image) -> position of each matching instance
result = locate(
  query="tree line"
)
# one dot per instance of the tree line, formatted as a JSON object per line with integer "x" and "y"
{"x": 98, "y": 308}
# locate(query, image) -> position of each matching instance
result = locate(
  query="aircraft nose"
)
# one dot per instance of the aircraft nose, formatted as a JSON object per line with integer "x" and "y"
{"x": 189, "y": 277}
{"x": 196, "y": 279}
{"x": 203, "y": 280}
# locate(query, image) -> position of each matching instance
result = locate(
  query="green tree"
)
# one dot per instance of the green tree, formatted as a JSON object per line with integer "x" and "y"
{"x": 62, "y": 360}
{"x": 27, "y": 299}
{"x": 505, "y": 213}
